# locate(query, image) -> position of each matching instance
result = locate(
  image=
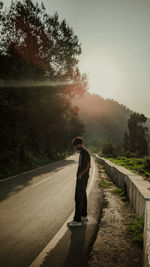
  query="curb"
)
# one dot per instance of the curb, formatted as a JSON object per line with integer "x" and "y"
{"x": 30, "y": 171}
{"x": 138, "y": 194}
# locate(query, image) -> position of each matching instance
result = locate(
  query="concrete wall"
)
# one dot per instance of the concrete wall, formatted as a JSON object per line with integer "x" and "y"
{"x": 147, "y": 235}
{"x": 138, "y": 191}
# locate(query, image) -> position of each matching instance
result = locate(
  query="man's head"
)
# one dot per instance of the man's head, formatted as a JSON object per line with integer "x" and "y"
{"x": 78, "y": 142}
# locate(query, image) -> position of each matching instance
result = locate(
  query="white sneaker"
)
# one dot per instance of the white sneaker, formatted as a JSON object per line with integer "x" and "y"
{"x": 74, "y": 223}
{"x": 84, "y": 219}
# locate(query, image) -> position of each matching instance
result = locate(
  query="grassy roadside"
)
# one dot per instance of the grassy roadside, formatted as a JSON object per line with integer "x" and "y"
{"x": 135, "y": 227}
{"x": 137, "y": 165}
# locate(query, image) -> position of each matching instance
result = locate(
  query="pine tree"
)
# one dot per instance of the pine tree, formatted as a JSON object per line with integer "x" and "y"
{"x": 135, "y": 140}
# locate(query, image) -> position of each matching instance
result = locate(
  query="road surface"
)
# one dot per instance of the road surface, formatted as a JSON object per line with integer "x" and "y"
{"x": 33, "y": 208}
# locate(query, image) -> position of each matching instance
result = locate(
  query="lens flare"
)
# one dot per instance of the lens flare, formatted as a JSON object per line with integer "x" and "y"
{"x": 27, "y": 83}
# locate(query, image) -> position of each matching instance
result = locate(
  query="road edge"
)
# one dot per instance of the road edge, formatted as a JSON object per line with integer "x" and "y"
{"x": 58, "y": 236}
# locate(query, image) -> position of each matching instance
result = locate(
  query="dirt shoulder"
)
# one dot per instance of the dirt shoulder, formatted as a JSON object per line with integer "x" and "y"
{"x": 114, "y": 246}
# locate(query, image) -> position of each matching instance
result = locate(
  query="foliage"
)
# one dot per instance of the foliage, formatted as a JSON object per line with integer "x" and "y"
{"x": 147, "y": 163}
{"x": 37, "y": 121}
{"x": 119, "y": 191}
{"x": 137, "y": 165}
{"x": 106, "y": 120}
{"x": 40, "y": 40}
{"x": 94, "y": 149}
{"x": 136, "y": 228}
{"x": 108, "y": 149}
{"x": 104, "y": 184}
{"x": 135, "y": 141}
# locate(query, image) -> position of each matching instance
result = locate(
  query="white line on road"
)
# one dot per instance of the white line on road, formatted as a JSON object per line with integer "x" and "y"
{"x": 54, "y": 241}
{"x": 23, "y": 173}
{"x": 30, "y": 171}
{"x": 41, "y": 181}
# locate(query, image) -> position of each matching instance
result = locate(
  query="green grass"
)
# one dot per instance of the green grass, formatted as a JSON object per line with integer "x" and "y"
{"x": 136, "y": 228}
{"x": 138, "y": 165}
{"x": 101, "y": 168}
{"x": 119, "y": 191}
{"x": 104, "y": 184}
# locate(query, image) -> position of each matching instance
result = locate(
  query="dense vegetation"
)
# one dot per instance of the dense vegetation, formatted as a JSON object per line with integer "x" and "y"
{"x": 135, "y": 143}
{"x": 133, "y": 153}
{"x": 135, "y": 140}
{"x": 39, "y": 106}
{"x": 106, "y": 123}
{"x": 37, "y": 120}
{"x": 116, "y": 132}
{"x": 138, "y": 165}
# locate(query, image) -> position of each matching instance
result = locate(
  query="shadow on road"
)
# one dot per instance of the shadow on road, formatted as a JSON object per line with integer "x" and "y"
{"x": 70, "y": 251}
{"x": 18, "y": 183}
{"x": 76, "y": 254}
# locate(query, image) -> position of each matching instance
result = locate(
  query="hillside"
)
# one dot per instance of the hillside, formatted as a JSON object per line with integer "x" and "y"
{"x": 105, "y": 119}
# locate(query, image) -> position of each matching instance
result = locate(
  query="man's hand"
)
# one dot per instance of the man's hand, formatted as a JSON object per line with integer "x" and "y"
{"x": 79, "y": 176}
{"x": 85, "y": 170}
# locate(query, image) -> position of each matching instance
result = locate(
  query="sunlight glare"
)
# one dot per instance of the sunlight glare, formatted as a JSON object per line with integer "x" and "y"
{"x": 105, "y": 77}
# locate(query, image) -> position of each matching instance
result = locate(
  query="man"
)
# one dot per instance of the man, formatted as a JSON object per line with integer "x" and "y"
{"x": 81, "y": 183}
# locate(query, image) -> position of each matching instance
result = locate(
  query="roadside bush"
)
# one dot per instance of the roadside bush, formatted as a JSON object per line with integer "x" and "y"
{"x": 108, "y": 149}
{"x": 137, "y": 165}
{"x": 130, "y": 154}
{"x": 111, "y": 150}
{"x": 135, "y": 228}
{"x": 147, "y": 163}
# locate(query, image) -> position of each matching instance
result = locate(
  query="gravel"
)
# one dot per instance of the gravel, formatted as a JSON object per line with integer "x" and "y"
{"x": 114, "y": 246}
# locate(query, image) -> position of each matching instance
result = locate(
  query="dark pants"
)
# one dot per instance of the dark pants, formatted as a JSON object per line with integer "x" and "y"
{"x": 81, "y": 198}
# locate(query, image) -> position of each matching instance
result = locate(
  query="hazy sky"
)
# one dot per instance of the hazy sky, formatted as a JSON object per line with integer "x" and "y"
{"x": 115, "y": 38}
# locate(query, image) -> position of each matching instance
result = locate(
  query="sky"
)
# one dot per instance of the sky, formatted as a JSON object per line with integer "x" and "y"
{"x": 115, "y": 42}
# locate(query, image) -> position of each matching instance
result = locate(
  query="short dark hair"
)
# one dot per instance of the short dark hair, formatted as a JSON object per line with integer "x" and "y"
{"x": 77, "y": 140}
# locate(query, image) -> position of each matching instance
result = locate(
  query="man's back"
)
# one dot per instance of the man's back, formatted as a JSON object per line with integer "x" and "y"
{"x": 84, "y": 158}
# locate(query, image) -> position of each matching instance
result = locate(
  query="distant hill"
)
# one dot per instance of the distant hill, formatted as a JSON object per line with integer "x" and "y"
{"x": 105, "y": 119}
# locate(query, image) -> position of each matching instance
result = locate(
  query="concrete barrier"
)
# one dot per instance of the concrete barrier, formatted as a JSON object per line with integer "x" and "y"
{"x": 138, "y": 191}
{"x": 147, "y": 235}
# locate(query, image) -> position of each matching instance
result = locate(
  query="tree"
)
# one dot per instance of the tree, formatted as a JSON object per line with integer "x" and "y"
{"x": 36, "y": 118}
{"x": 40, "y": 44}
{"x": 135, "y": 140}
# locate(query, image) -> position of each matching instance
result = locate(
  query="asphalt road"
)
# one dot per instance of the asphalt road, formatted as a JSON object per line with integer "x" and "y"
{"x": 33, "y": 207}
